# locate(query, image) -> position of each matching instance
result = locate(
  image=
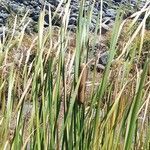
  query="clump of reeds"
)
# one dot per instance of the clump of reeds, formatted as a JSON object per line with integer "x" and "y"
{"x": 44, "y": 77}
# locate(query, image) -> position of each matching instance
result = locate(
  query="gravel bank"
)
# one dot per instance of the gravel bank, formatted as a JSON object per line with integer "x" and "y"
{"x": 9, "y": 8}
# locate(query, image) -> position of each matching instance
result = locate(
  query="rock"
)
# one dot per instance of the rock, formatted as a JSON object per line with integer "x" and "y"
{"x": 103, "y": 58}
{"x": 72, "y": 21}
{"x": 117, "y": 1}
{"x": 111, "y": 13}
{"x": 1, "y": 20}
{"x": 35, "y": 16}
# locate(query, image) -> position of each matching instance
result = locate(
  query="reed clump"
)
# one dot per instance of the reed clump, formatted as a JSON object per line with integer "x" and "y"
{"x": 51, "y": 100}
